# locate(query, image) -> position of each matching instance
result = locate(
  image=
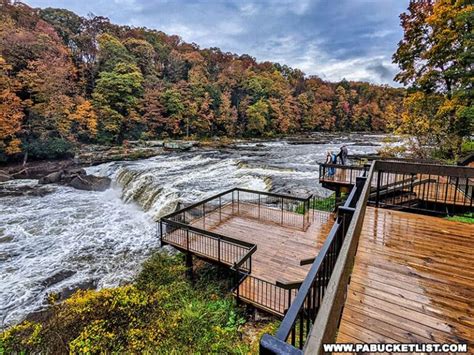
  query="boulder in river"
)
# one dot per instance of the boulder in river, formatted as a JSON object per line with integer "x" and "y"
{"x": 57, "y": 278}
{"x": 90, "y": 183}
{"x": 4, "y": 176}
{"x": 24, "y": 190}
{"x": 77, "y": 178}
{"x": 52, "y": 178}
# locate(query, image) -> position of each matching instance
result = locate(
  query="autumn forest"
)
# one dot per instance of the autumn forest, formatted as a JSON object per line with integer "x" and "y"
{"x": 69, "y": 80}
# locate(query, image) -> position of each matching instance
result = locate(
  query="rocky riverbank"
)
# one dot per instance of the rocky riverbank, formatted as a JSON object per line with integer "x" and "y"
{"x": 70, "y": 171}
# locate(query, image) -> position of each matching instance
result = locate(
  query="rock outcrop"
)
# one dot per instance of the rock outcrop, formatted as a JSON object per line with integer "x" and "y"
{"x": 90, "y": 183}
{"x": 4, "y": 176}
{"x": 77, "y": 178}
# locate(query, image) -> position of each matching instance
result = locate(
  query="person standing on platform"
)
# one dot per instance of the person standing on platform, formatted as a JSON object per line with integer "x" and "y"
{"x": 343, "y": 153}
{"x": 330, "y": 160}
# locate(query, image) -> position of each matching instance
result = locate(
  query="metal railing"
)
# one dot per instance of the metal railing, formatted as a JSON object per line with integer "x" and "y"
{"x": 316, "y": 311}
{"x": 275, "y": 297}
{"x": 212, "y": 246}
{"x": 341, "y": 174}
{"x": 297, "y": 323}
{"x": 286, "y": 210}
{"x": 189, "y": 230}
{"x": 423, "y": 188}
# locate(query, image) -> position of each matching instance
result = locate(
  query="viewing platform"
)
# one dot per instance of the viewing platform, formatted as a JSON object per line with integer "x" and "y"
{"x": 382, "y": 268}
{"x": 412, "y": 282}
{"x": 261, "y": 236}
{"x": 401, "y": 275}
{"x": 408, "y": 186}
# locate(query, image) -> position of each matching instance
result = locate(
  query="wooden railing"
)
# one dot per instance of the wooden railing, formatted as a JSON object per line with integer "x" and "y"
{"x": 297, "y": 324}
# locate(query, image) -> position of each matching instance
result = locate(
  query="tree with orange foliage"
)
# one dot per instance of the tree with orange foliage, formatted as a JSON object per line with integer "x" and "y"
{"x": 84, "y": 120}
{"x": 11, "y": 113}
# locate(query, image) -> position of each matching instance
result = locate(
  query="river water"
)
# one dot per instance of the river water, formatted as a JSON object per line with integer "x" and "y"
{"x": 70, "y": 238}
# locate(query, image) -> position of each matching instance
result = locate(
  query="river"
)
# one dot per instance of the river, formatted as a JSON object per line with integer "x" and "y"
{"x": 70, "y": 238}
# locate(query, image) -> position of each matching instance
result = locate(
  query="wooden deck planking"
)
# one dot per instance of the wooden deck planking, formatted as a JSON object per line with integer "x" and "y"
{"x": 412, "y": 281}
{"x": 280, "y": 248}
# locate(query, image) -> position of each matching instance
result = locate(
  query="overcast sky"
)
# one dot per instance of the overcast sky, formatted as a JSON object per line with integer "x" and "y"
{"x": 334, "y": 39}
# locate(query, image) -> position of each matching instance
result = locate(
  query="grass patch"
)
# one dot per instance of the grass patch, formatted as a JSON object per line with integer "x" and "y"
{"x": 468, "y": 147}
{"x": 465, "y": 218}
{"x": 326, "y": 204}
{"x": 161, "y": 312}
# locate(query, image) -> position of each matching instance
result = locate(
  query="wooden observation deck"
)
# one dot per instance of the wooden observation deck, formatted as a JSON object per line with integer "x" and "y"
{"x": 398, "y": 276}
{"x": 412, "y": 282}
{"x": 261, "y": 236}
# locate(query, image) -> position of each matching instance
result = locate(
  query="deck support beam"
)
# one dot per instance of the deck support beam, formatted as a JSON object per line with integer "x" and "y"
{"x": 338, "y": 196}
{"x": 189, "y": 267}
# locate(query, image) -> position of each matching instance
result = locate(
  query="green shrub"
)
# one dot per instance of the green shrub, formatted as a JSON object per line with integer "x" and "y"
{"x": 465, "y": 218}
{"x": 468, "y": 147}
{"x": 161, "y": 313}
{"x": 51, "y": 148}
{"x": 327, "y": 204}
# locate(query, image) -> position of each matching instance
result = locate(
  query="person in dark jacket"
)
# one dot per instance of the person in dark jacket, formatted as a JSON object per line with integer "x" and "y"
{"x": 343, "y": 153}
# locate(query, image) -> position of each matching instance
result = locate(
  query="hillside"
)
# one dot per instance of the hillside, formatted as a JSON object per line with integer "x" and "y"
{"x": 66, "y": 80}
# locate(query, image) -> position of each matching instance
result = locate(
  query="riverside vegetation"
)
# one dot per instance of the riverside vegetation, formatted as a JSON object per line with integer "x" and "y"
{"x": 66, "y": 80}
{"x": 69, "y": 80}
{"x": 161, "y": 312}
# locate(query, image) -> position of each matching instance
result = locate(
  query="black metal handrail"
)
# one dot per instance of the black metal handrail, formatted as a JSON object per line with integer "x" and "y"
{"x": 423, "y": 188}
{"x": 275, "y": 297}
{"x": 343, "y": 174}
{"x": 255, "y": 204}
{"x": 325, "y": 326}
{"x": 208, "y": 233}
{"x": 298, "y": 321}
{"x": 197, "y": 204}
{"x": 246, "y": 257}
{"x": 225, "y": 250}
{"x": 188, "y": 230}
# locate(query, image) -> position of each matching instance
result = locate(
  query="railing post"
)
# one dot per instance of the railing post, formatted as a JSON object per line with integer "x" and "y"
{"x": 187, "y": 239}
{"x": 204, "y": 215}
{"x": 289, "y": 298}
{"x": 237, "y": 293}
{"x": 220, "y": 209}
{"x": 238, "y": 202}
{"x": 161, "y": 233}
{"x": 455, "y": 193}
{"x": 258, "y": 206}
{"x": 345, "y": 214}
{"x": 232, "y": 203}
{"x": 219, "y": 249}
{"x": 282, "y": 211}
{"x": 377, "y": 197}
{"x": 304, "y": 215}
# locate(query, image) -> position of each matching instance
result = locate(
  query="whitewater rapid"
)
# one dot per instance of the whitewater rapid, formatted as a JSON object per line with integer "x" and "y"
{"x": 70, "y": 238}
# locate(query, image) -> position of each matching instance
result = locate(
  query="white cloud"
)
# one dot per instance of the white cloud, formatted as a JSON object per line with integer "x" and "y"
{"x": 354, "y": 39}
